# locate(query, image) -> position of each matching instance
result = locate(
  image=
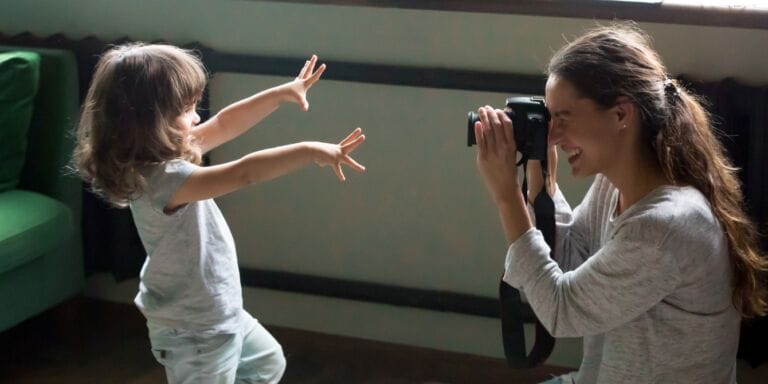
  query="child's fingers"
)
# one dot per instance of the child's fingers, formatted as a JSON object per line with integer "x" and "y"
{"x": 353, "y": 164}
{"x": 303, "y": 71}
{"x": 352, "y": 145}
{"x": 357, "y": 132}
{"x": 312, "y": 62}
{"x": 316, "y": 76}
{"x": 339, "y": 172}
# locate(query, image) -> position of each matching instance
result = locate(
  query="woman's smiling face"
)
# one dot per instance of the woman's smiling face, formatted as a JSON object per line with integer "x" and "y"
{"x": 581, "y": 128}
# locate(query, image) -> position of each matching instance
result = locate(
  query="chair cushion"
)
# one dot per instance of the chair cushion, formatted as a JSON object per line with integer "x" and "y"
{"x": 30, "y": 225}
{"x": 19, "y": 76}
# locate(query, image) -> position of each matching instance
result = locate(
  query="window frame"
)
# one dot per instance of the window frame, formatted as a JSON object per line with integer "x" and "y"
{"x": 589, "y": 9}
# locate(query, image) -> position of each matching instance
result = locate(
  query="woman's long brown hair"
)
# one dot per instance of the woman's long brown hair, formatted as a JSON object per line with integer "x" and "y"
{"x": 617, "y": 60}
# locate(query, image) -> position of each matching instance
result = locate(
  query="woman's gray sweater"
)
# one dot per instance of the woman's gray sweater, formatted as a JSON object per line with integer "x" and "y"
{"x": 649, "y": 289}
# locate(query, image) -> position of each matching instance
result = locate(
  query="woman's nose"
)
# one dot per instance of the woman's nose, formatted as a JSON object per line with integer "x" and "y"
{"x": 196, "y": 118}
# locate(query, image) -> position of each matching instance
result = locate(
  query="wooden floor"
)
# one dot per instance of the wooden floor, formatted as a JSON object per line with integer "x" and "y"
{"x": 90, "y": 341}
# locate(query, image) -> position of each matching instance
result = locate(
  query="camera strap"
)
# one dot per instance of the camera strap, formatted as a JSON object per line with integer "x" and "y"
{"x": 513, "y": 312}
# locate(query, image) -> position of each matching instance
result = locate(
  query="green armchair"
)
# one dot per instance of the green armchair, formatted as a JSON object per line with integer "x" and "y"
{"x": 41, "y": 257}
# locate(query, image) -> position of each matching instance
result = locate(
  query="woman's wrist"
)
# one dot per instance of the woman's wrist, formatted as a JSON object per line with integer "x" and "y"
{"x": 514, "y": 217}
{"x": 511, "y": 202}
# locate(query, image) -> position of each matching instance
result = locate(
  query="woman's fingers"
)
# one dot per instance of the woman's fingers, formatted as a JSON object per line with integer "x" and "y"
{"x": 509, "y": 135}
{"x": 490, "y": 140}
{"x": 479, "y": 137}
{"x": 497, "y": 130}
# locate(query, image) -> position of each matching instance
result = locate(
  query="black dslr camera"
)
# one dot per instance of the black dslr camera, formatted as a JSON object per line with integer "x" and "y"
{"x": 530, "y": 121}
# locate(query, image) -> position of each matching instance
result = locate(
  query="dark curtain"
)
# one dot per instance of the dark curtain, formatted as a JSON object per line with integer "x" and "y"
{"x": 740, "y": 115}
{"x": 110, "y": 240}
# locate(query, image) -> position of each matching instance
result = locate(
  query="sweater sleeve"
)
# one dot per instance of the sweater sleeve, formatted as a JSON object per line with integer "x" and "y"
{"x": 572, "y": 233}
{"x": 573, "y": 227}
{"x": 632, "y": 272}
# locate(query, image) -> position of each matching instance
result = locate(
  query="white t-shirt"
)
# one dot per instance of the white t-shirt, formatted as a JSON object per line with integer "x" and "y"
{"x": 649, "y": 289}
{"x": 190, "y": 279}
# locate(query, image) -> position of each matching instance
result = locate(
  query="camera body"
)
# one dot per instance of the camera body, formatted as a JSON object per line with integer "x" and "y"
{"x": 530, "y": 122}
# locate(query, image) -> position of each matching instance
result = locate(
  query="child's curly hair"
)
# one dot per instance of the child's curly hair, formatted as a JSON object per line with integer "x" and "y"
{"x": 127, "y": 122}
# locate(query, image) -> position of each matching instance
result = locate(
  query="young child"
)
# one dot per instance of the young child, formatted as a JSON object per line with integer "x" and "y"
{"x": 139, "y": 145}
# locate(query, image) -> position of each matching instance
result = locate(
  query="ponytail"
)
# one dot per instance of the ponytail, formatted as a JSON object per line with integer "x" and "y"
{"x": 690, "y": 154}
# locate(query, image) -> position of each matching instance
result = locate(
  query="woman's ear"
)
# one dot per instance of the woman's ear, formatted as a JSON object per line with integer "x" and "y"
{"x": 624, "y": 110}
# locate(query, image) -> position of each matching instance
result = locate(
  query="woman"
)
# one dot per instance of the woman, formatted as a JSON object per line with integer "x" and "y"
{"x": 659, "y": 263}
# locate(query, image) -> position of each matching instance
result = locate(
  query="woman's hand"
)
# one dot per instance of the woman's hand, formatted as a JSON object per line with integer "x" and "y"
{"x": 334, "y": 155}
{"x": 296, "y": 90}
{"x": 497, "y": 154}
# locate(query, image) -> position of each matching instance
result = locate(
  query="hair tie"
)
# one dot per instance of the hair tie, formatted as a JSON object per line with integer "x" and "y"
{"x": 670, "y": 90}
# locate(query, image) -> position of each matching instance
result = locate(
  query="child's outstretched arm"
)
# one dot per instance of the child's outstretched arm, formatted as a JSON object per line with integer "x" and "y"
{"x": 209, "y": 182}
{"x": 241, "y": 115}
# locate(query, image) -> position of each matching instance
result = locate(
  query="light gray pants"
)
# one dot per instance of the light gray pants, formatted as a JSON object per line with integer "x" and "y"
{"x": 249, "y": 356}
{"x": 568, "y": 378}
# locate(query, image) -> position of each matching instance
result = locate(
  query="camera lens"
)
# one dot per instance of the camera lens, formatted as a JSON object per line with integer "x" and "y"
{"x": 472, "y": 118}
{"x": 530, "y": 120}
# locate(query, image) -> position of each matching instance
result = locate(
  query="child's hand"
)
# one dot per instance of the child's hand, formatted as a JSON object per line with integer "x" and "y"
{"x": 297, "y": 89}
{"x": 336, "y": 154}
